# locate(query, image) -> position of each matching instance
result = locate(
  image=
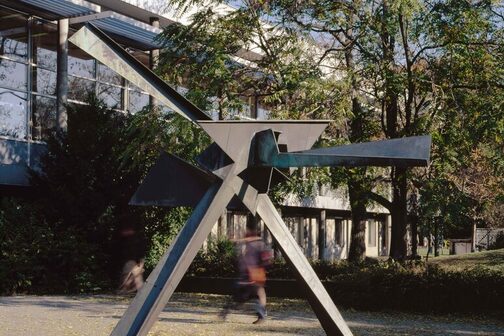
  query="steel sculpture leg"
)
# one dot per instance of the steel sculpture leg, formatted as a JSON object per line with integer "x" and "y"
{"x": 157, "y": 290}
{"x": 325, "y": 309}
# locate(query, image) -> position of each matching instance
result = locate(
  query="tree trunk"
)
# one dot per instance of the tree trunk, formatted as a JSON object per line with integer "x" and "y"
{"x": 414, "y": 236}
{"x": 357, "y": 188}
{"x": 436, "y": 237}
{"x": 399, "y": 248}
{"x": 357, "y": 194}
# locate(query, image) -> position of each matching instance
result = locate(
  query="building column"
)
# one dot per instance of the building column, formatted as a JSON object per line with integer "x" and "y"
{"x": 62, "y": 76}
{"x": 473, "y": 243}
{"x": 388, "y": 230}
{"x": 230, "y": 231}
{"x": 313, "y": 238}
{"x": 322, "y": 234}
{"x": 222, "y": 225}
{"x": 348, "y": 226}
{"x": 300, "y": 237}
{"x": 153, "y": 58}
{"x": 253, "y": 107}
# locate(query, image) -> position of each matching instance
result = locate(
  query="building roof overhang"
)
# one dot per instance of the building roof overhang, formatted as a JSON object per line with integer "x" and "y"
{"x": 133, "y": 11}
{"x": 125, "y": 29}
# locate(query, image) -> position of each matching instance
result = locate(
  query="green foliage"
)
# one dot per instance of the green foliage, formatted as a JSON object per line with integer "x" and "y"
{"x": 151, "y": 131}
{"x": 163, "y": 232}
{"x": 468, "y": 139}
{"x": 78, "y": 199}
{"x": 34, "y": 253}
{"x": 218, "y": 259}
{"x": 426, "y": 67}
{"x": 22, "y": 238}
{"x": 285, "y": 75}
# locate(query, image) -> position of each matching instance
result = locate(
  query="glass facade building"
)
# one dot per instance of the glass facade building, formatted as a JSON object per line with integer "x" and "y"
{"x": 28, "y": 84}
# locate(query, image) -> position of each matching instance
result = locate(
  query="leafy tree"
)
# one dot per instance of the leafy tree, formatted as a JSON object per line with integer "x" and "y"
{"x": 337, "y": 26}
{"x": 224, "y": 59}
{"x": 469, "y": 142}
{"x": 399, "y": 48}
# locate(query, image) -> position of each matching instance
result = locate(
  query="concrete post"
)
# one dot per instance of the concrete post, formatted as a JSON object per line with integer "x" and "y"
{"x": 348, "y": 230}
{"x": 322, "y": 234}
{"x": 313, "y": 238}
{"x": 276, "y": 252}
{"x": 388, "y": 236}
{"x": 473, "y": 243}
{"x": 62, "y": 75}
{"x": 153, "y": 58}
{"x": 230, "y": 231}
{"x": 300, "y": 236}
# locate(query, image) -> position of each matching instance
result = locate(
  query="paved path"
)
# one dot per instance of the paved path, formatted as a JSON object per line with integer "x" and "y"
{"x": 192, "y": 314}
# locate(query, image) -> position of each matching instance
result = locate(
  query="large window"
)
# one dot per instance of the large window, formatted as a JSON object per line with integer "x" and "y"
{"x": 28, "y": 65}
{"x": 44, "y": 37}
{"x": 44, "y": 40}
{"x": 13, "y": 75}
{"x": 106, "y": 75}
{"x": 13, "y": 114}
{"x": 111, "y": 95}
{"x": 80, "y": 64}
{"x": 44, "y": 81}
{"x": 44, "y": 117}
{"x": 137, "y": 100}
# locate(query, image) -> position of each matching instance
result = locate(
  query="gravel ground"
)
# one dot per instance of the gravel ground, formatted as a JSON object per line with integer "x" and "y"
{"x": 196, "y": 314}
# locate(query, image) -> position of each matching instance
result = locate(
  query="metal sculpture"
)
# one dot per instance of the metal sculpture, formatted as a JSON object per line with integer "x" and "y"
{"x": 242, "y": 164}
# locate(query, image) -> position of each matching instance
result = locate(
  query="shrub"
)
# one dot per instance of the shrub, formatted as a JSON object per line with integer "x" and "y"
{"x": 37, "y": 257}
{"x": 217, "y": 260}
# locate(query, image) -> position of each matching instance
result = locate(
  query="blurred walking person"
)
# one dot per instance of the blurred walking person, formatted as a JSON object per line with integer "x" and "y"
{"x": 132, "y": 277}
{"x": 253, "y": 259}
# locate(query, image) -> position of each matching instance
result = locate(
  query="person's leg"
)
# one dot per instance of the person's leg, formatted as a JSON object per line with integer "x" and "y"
{"x": 261, "y": 293}
{"x": 261, "y": 304}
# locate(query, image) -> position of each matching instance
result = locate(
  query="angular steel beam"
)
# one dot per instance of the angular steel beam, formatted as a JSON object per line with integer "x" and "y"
{"x": 172, "y": 182}
{"x": 93, "y": 41}
{"x": 402, "y": 152}
{"x": 233, "y": 136}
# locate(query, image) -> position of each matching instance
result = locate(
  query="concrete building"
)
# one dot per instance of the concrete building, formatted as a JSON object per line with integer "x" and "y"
{"x": 41, "y": 72}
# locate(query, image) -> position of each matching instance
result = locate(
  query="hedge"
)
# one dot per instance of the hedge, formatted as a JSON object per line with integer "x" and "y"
{"x": 374, "y": 285}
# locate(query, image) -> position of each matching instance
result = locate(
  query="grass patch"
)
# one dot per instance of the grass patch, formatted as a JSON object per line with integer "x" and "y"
{"x": 493, "y": 260}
